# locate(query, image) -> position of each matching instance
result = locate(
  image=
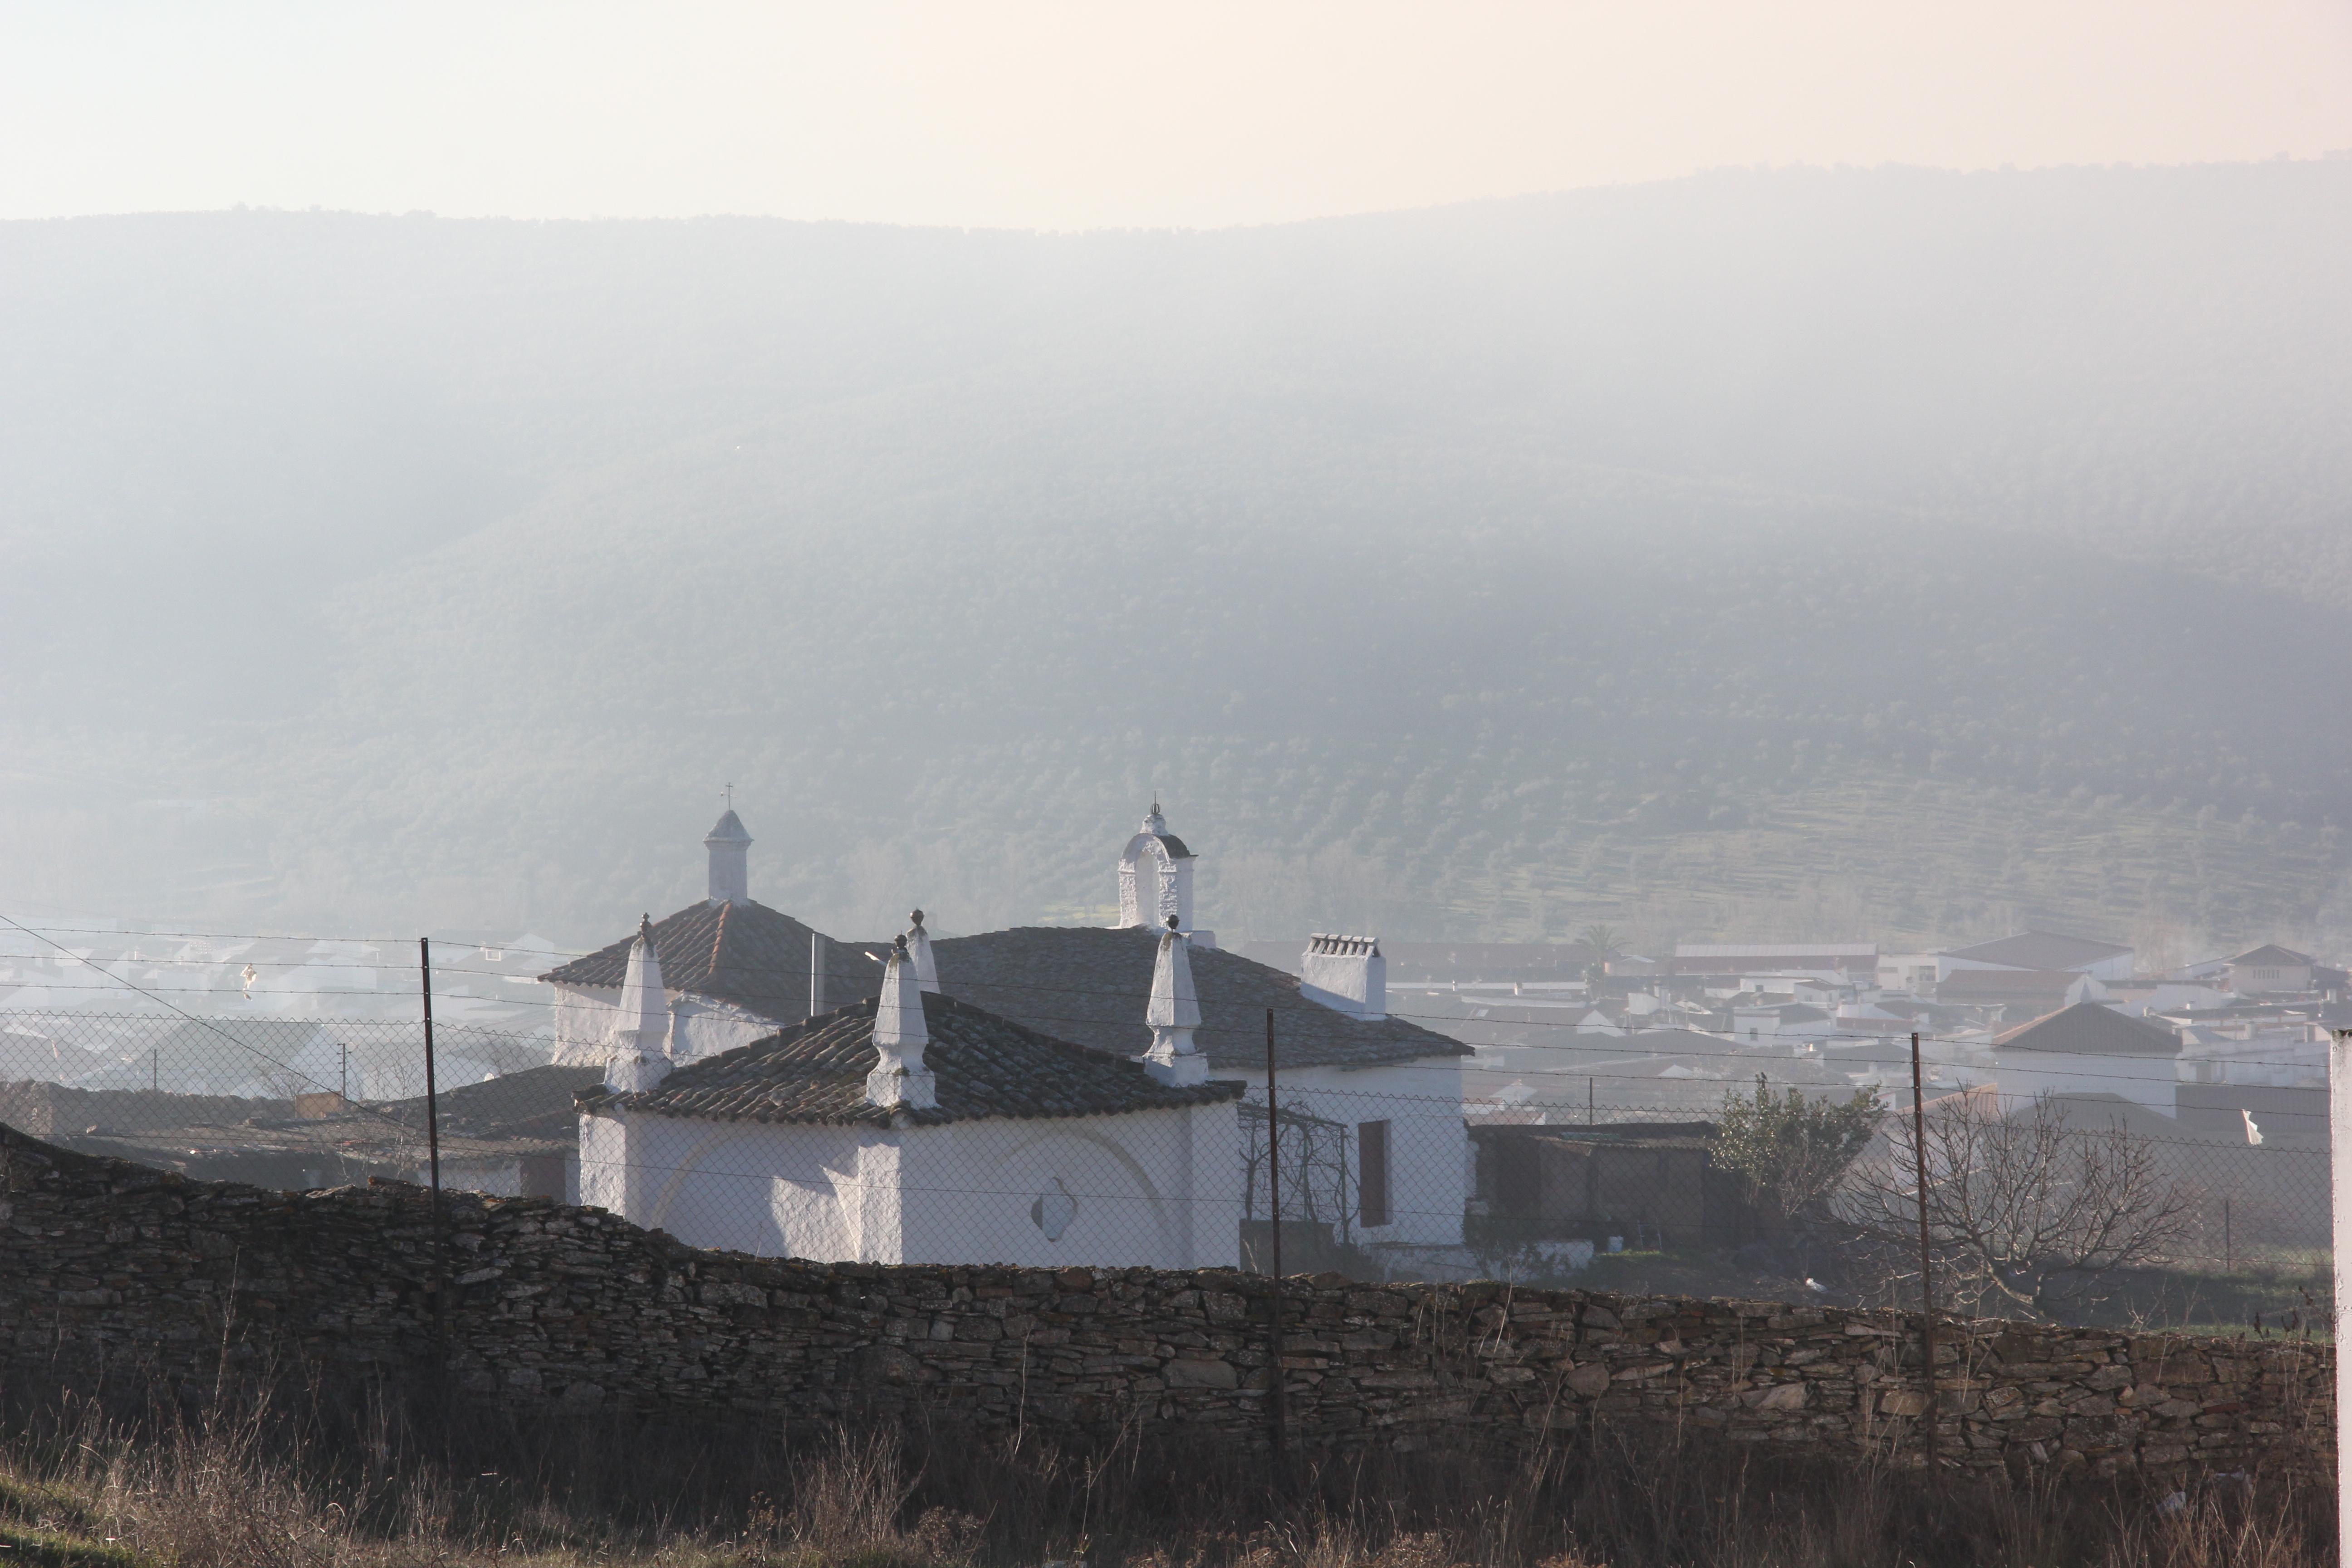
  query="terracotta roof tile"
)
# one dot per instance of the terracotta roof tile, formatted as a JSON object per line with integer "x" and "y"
{"x": 748, "y": 954}
{"x": 2088, "y": 1029}
{"x": 986, "y": 1067}
{"x": 1090, "y": 984}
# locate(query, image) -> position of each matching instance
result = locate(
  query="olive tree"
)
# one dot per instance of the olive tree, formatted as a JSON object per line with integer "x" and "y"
{"x": 1791, "y": 1151}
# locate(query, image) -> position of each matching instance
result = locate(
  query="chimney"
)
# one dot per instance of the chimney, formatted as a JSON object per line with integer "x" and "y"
{"x": 729, "y": 849}
{"x": 1173, "y": 1013}
{"x": 918, "y": 947}
{"x": 639, "y": 1055}
{"x": 1347, "y": 973}
{"x": 899, "y": 1078}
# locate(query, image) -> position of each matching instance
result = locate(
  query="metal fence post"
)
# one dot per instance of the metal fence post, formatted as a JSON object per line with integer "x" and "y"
{"x": 433, "y": 1149}
{"x": 1926, "y": 1281}
{"x": 2339, "y": 1172}
{"x": 1275, "y": 1394}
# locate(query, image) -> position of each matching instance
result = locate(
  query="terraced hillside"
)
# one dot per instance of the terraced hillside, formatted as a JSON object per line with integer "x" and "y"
{"x": 1793, "y": 552}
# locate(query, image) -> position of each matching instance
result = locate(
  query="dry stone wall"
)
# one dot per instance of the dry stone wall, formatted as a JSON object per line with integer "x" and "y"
{"x": 109, "y": 1267}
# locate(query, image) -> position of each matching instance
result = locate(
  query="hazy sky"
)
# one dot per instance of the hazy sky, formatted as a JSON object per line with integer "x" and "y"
{"x": 1027, "y": 114}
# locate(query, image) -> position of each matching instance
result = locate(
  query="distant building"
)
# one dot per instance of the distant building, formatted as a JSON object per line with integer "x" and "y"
{"x": 1850, "y": 959}
{"x": 2087, "y": 1049}
{"x": 2271, "y": 970}
{"x": 2021, "y": 993}
{"x": 2041, "y": 950}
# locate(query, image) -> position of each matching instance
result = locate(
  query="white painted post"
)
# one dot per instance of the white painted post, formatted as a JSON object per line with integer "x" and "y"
{"x": 2339, "y": 1172}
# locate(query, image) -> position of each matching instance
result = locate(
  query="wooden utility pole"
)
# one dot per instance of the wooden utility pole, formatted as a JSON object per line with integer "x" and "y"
{"x": 1276, "y": 1396}
{"x": 1926, "y": 1279}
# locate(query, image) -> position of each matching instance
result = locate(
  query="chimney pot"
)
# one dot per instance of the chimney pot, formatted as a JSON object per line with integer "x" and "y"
{"x": 1348, "y": 974}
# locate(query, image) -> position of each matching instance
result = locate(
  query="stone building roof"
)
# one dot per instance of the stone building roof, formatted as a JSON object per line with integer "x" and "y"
{"x": 2274, "y": 956}
{"x": 986, "y": 1067}
{"x": 2088, "y": 1029}
{"x": 2041, "y": 950}
{"x": 1983, "y": 987}
{"x": 1089, "y": 985}
{"x": 748, "y": 954}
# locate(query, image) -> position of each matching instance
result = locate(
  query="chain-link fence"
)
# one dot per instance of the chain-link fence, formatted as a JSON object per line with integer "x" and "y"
{"x": 2090, "y": 1208}
{"x": 296, "y": 1104}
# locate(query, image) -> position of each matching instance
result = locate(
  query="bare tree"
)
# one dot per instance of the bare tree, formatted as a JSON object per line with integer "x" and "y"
{"x": 2026, "y": 1212}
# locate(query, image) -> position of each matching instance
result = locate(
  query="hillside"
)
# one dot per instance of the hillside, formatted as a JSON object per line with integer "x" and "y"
{"x": 1797, "y": 552}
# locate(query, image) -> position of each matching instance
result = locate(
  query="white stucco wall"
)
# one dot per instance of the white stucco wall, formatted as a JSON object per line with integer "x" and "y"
{"x": 1159, "y": 1189}
{"x": 706, "y": 1028}
{"x": 1429, "y": 1147}
{"x": 585, "y": 1015}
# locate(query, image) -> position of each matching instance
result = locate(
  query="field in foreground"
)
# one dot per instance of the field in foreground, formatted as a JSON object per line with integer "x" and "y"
{"x": 254, "y": 1488}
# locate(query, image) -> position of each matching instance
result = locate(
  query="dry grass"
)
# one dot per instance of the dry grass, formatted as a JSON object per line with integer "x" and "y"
{"x": 252, "y": 1487}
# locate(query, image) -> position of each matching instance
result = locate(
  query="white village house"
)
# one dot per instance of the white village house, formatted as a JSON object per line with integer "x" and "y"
{"x": 2087, "y": 1049}
{"x": 916, "y": 1128}
{"x": 1380, "y": 1097}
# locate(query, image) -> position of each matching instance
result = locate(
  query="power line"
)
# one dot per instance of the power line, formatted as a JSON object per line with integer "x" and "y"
{"x": 1608, "y": 1048}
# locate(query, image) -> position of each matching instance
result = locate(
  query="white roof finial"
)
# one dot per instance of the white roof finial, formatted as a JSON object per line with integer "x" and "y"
{"x": 1173, "y": 1013}
{"x": 639, "y": 1057}
{"x": 900, "y": 1033}
{"x": 918, "y": 947}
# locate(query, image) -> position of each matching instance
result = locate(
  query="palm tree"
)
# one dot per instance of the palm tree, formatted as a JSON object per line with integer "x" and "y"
{"x": 1600, "y": 941}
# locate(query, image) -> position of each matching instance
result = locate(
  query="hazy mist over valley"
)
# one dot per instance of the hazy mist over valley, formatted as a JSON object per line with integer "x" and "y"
{"x": 1798, "y": 553}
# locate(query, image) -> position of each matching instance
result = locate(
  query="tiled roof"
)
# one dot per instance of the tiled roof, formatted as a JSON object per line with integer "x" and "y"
{"x": 2006, "y": 984}
{"x": 985, "y": 1066}
{"x": 2273, "y": 954}
{"x": 746, "y": 954}
{"x": 2088, "y": 1029}
{"x": 2041, "y": 950}
{"x": 534, "y": 1104}
{"x": 1751, "y": 952}
{"x": 1090, "y": 984}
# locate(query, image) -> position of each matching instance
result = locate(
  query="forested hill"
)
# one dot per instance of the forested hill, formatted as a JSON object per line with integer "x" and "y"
{"x": 1804, "y": 552}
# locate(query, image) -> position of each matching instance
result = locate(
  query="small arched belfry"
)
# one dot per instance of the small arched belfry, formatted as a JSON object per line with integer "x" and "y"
{"x": 1155, "y": 878}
